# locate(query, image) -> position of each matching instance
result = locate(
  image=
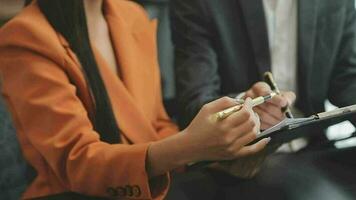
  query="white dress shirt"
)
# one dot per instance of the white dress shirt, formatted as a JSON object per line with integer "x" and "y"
{"x": 281, "y": 19}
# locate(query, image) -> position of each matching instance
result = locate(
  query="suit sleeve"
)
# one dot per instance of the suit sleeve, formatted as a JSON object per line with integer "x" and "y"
{"x": 343, "y": 79}
{"x": 196, "y": 66}
{"x": 45, "y": 107}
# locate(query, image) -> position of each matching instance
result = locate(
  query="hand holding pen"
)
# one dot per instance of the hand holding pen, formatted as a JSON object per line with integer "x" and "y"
{"x": 271, "y": 112}
{"x": 269, "y": 79}
{"x": 237, "y": 128}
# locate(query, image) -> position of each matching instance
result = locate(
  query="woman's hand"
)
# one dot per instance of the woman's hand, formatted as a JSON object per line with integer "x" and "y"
{"x": 225, "y": 139}
{"x": 208, "y": 139}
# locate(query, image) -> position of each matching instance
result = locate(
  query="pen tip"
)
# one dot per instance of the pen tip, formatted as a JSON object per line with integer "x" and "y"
{"x": 267, "y": 74}
{"x": 270, "y": 96}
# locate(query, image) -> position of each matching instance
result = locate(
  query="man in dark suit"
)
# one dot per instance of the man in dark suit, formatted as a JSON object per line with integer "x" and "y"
{"x": 224, "y": 47}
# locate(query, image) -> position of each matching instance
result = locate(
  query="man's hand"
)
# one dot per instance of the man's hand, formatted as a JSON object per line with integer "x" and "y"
{"x": 247, "y": 166}
{"x": 270, "y": 112}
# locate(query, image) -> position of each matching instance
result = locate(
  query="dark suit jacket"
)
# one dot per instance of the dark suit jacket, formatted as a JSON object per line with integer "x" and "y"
{"x": 221, "y": 48}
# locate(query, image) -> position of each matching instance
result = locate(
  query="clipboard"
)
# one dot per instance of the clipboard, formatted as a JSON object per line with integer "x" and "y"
{"x": 293, "y": 128}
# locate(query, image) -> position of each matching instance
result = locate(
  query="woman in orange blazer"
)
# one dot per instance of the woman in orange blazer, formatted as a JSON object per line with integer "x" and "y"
{"x": 81, "y": 80}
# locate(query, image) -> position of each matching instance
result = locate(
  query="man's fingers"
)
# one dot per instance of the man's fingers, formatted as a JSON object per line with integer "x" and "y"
{"x": 283, "y": 100}
{"x": 266, "y": 117}
{"x": 265, "y": 126}
{"x": 258, "y": 89}
{"x": 290, "y": 97}
{"x": 273, "y": 110}
{"x": 279, "y": 101}
{"x": 261, "y": 88}
{"x": 265, "y": 123}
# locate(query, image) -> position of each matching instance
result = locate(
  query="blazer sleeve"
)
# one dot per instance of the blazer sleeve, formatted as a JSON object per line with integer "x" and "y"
{"x": 196, "y": 65}
{"x": 45, "y": 107}
{"x": 343, "y": 79}
{"x": 163, "y": 124}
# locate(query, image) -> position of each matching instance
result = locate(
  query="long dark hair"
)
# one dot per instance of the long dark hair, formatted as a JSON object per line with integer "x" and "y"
{"x": 68, "y": 18}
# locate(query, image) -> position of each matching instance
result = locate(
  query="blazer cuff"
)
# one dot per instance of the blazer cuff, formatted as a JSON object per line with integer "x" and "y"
{"x": 138, "y": 185}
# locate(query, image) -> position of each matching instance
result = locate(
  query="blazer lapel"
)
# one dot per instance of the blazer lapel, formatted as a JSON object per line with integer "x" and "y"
{"x": 257, "y": 29}
{"x": 307, "y": 24}
{"x": 131, "y": 118}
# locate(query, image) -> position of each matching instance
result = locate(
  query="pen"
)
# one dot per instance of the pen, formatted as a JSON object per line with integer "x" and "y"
{"x": 255, "y": 102}
{"x": 269, "y": 79}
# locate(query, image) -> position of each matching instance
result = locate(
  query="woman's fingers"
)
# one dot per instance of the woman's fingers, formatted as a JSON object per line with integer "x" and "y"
{"x": 241, "y": 141}
{"x": 253, "y": 149}
{"x": 240, "y": 131}
{"x": 238, "y": 118}
{"x": 219, "y": 105}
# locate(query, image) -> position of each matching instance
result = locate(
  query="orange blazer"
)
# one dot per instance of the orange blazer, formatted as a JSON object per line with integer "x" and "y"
{"x": 46, "y": 92}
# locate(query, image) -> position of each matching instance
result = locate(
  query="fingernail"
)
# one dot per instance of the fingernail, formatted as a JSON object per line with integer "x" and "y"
{"x": 240, "y": 101}
{"x": 268, "y": 140}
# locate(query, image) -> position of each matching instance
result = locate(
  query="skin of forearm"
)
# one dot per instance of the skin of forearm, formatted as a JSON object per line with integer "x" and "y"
{"x": 170, "y": 153}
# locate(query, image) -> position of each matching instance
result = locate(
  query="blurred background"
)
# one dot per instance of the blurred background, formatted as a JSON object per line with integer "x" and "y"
{"x": 9, "y": 8}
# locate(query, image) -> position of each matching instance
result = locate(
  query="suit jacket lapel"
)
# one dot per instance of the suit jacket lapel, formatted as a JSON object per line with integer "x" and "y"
{"x": 257, "y": 29}
{"x": 307, "y": 27}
